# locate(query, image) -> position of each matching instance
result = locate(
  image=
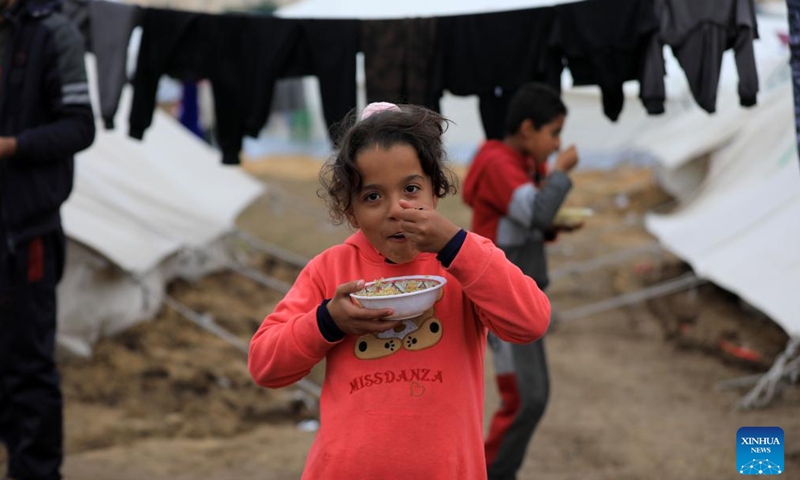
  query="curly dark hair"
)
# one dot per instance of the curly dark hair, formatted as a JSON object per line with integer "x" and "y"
{"x": 413, "y": 125}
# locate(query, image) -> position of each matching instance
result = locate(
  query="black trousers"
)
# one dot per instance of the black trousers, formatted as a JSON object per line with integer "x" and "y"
{"x": 31, "y": 407}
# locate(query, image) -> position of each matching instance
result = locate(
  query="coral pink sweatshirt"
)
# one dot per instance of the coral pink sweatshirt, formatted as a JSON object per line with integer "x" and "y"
{"x": 417, "y": 411}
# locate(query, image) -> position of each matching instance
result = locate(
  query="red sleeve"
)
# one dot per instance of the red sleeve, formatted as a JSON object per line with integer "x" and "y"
{"x": 289, "y": 343}
{"x": 507, "y": 301}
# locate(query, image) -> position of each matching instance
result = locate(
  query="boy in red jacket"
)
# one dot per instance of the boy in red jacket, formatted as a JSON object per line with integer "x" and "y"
{"x": 514, "y": 201}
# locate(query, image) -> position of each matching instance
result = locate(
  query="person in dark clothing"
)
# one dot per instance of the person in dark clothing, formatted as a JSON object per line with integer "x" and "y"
{"x": 514, "y": 203}
{"x": 45, "y": 118}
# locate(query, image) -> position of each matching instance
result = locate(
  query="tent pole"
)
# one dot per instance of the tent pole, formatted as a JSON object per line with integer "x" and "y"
{"x": 206, "y": 322}
{"x": 603, "y": 261}
{"x": 683, "y": 282}
{"x": 770, "y": 384}
{"x": 260, "y": 277}
{"x": 271, "y": 249}
{"x": 790, "y": 368}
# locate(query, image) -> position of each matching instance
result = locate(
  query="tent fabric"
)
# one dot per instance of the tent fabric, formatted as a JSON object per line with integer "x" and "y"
{"x": 740, "y": 230}
{"x": 140, "y": 215}
{"x": 136, "y": 202}
{"x": 737, "y": 220}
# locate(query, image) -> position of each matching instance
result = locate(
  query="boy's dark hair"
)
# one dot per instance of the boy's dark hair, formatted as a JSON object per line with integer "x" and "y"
{"x": 537, "y": 102}
{"x": 415, "y": 126}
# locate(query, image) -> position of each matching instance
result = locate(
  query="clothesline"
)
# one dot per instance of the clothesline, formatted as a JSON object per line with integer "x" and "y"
{"x": 415, "y": 60}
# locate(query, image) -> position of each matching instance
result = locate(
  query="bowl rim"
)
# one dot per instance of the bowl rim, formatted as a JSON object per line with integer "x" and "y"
{"x": 578, "y": 211}
{"x": 442, "y": 281}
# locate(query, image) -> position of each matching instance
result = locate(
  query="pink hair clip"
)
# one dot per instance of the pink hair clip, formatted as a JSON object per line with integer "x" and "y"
{"x": 377, "y": 107}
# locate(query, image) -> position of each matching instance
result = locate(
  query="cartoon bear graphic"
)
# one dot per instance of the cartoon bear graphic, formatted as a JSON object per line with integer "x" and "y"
{"x": 418, "y": 333}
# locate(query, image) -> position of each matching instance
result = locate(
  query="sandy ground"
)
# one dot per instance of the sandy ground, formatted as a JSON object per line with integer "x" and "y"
{"x": 634, "y": 390}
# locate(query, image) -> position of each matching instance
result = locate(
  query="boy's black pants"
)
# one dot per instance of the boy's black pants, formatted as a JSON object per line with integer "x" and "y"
{"x": 31, "y": 423}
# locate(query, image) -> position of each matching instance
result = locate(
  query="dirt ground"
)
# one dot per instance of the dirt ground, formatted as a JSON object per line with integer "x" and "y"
{"x": 634, "y": 390}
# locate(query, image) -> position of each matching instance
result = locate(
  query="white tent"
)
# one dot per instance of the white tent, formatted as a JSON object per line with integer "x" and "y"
{"x": 740, "y": 229}
{"x": 737, "y": 222}
{"x": 141, "y": 214}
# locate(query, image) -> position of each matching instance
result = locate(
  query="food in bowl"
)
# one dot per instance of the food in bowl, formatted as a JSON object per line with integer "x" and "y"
{"x": 572, "y": 216}
{"x": 409, "y": 296}
{"x": 384, "y": 287}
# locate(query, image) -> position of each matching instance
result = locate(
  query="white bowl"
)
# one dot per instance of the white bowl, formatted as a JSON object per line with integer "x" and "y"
{"x": 405, "y": 305}
{"x": 572, "y": 216}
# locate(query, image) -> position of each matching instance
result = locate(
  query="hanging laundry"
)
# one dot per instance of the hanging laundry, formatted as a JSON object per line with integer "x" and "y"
{"x": 491, "y": 55}
{"x": 238, "y": 54}
{"x": 699, "y": 32}
{"x": 78, "y": 13}
{"x": 604, "y": 43}
{"x": 398, "y": 59}
{"x": 327, "y": 49}
{"x": 268, "y": 45}
{"x": 110, "y": 35}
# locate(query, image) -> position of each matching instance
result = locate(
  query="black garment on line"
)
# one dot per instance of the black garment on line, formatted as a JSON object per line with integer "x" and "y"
{"x": 491, "y": 55}
{"x": 240, "y": 55}
{"x": 699, "y": 32}
{"x": 604, "y": 43}
{"x": 327, "y": 49}
{"x": 109, "y": 43}
{"x": 398, "y": 58}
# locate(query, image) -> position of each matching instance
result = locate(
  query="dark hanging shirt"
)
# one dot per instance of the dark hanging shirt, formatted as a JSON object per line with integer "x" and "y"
{"x": 699, "y": 32}
{"x": 398, "y": 60}
{"x": 604, "y": 43}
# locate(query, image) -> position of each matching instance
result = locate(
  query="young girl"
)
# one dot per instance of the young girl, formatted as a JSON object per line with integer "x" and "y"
{"x": 401, "y": 399}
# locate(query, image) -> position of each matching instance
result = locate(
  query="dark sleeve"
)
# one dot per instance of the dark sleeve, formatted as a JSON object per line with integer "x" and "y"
{"x": 549, "y": 198}
{"x": 72, "y": 127}
{"x": 149, "y": 67}
{"x": 652, "y": 91}
{"x": 745, "y": 57}
{"x": 110, "y": 39}
{"x": 449, "y": 252}
{"x": 327, "y": 326}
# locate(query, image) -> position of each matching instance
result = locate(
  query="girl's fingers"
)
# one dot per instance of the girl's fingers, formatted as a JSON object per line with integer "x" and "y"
{"x": 408, "y": 205}
{"x": 350, "y": 287}
{"x": 371, "y": 314}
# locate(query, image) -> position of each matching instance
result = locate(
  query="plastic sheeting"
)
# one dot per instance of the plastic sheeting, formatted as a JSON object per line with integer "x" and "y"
{"x": 740, "y": 229}
{"x": 141, "y": 213}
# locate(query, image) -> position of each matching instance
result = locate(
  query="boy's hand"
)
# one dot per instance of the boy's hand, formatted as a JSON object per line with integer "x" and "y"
{"x": 425, "y": 228}
{"x": 566, "y": 159}
{"x": 354, "y": 319}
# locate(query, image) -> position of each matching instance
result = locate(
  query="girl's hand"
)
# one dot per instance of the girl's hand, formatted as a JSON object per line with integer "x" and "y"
{"x": 425, "y": 227}
{"x": 354, "y": 319}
